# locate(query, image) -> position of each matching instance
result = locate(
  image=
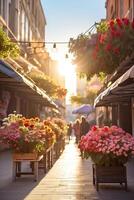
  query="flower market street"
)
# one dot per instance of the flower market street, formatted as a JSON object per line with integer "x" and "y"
{"x": 70, "y": 178}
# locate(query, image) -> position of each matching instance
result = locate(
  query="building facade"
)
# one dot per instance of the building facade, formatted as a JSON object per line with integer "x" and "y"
{"x": 119, "y": 9}
{"x": 115, "y": 104}
{"x": 25, "y": 18}
{"x": 24, "y": 22}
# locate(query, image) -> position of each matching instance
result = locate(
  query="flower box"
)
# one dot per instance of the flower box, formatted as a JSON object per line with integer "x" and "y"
{"x": 109, "y": 148}
{"x": 114, "y": 174}
{"x": 25, "y": 156}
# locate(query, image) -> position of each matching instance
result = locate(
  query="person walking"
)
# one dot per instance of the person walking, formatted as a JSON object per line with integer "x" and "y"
{"x": 76, "y": 128}
{"x": 84, "y": 126}
{"x": 69, "y": 131}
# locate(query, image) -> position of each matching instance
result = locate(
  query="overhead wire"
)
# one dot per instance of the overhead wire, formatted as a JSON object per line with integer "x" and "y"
{"x": 89, "y": 30}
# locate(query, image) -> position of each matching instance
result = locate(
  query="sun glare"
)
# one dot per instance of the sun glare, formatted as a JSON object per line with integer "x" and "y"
{"x": 67, "y": 69}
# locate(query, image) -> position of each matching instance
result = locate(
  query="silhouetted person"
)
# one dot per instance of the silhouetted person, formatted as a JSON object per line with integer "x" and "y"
{"x": 69, "y": 130}
{"x": 76, "y": 128}
{"x": 84, "y": 126}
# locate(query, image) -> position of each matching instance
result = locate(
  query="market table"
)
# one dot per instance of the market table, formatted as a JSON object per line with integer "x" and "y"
{"x": 34, "y": 166}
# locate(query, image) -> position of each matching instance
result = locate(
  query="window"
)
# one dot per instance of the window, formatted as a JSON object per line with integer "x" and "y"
{"x": 0, "y": 6}
{"x": 30, "y": 34}
{"x": 116, "y": 8}
{"x": 121, "y": 8}
{"x": 22, "y": 27}
{"x": 130, "y": 9}
{"x": 133, "y": 9}
{"x": 4, "y": 9}
{"x": 112, "y": 12}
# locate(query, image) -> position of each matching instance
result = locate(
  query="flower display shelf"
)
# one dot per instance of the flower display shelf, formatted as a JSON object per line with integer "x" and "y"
{"x": 59, "y": 147}
{"x": 32, "y": 158}
{"x": 25, "y": 156}
{"x": 48, "y": 158}
{"x": 109, "y": 175}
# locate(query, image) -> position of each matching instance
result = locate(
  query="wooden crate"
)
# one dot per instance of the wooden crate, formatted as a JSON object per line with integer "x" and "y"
{"x": 109, "y": 175}
{"x": 25, "y": 156}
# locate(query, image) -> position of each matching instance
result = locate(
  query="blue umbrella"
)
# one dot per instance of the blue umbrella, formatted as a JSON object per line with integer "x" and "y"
{"x": 84, "y": 109}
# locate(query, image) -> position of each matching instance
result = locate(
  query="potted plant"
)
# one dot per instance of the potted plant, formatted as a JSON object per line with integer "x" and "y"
{"x": 109, "y": 148}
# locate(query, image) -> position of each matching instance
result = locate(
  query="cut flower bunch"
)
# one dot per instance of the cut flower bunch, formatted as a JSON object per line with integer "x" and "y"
{"x": 107, "y": 146}
{"x": 26, "y": 135}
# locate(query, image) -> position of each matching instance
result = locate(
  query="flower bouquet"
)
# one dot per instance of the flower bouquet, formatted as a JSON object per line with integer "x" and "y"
{"x": 107, "y": 146}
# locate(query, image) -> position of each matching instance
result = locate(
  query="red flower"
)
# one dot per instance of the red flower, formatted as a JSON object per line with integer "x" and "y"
{"x": 125, "y": 21}
{"x": 111, "y": 23}
{"x": 116, "y": 50}
{"x": 105, "y": 129}
{"x": 32, "y": 126}
{"x": 119, "y": 22}
{"x": 94, "y": 128}
{"x": 108, "y": 47}
{"x": 26, "y": 124}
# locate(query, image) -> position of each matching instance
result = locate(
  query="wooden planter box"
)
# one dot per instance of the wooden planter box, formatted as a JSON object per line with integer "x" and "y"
{"x": 25, "y": 156}
{"x": 32, "y": 158}
{"x": 109, "y": 175}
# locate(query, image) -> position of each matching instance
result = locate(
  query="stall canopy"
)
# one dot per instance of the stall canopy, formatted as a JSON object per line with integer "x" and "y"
{"x": 84, "y": 109}
{"x": 59, "y": 103}
{"x": 15, "y": 81}
{"x": 121, "y": 90}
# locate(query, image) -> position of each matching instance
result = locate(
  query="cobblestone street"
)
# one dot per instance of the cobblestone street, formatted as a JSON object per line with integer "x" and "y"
{"x": 69, "y": 179}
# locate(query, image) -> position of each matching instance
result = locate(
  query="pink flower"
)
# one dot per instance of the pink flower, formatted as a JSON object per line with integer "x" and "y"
{"x": 108, "y": 140}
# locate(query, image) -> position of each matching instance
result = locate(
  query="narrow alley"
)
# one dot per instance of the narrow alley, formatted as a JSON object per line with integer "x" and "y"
{"x": 69, "y": 179}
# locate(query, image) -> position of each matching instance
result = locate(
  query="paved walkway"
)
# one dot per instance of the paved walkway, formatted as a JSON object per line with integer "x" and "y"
{"x": 69, "y": 179}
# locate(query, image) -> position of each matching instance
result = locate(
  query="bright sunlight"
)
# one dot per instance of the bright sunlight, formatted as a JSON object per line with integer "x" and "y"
{"x": 67, "y": 69}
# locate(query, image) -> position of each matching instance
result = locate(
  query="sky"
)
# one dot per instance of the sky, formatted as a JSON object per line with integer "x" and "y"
{"x": 67, "y": 19}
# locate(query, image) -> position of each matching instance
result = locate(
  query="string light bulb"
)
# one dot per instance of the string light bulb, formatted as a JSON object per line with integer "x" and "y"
{"x": 66, "y": 56}
{"x": 54, "y": 45}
